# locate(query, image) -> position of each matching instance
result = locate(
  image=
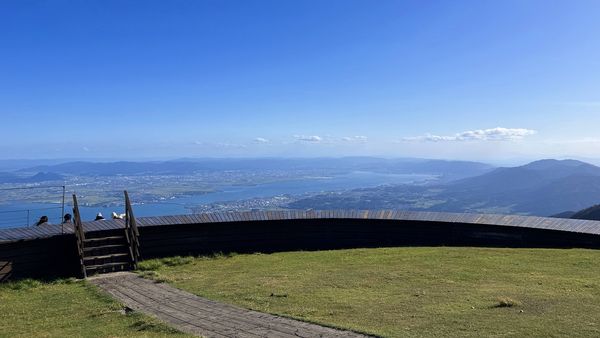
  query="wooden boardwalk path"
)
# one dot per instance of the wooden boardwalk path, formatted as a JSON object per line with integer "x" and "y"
{"x": 199, "y": 316}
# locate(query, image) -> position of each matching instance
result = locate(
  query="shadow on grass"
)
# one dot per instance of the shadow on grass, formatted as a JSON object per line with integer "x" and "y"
{"x": 156, "y": 263}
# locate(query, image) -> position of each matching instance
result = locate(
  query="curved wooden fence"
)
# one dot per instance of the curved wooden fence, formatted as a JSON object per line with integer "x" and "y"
{"x": 51, "y": 250}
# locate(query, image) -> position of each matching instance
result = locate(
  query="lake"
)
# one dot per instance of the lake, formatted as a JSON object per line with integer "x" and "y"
{"x": 24, "y": 214}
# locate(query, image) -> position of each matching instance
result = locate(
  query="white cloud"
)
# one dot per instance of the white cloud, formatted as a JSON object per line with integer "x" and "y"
{"x": 310, "y": 139}
{"x": 358, "y": 139}
{"x": 261, "y": 140}
{"x": 86, "y": 149}
{"x": 493, "y": 134}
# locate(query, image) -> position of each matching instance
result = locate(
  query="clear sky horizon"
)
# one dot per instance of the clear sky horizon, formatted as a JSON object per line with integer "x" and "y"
{"x": 478, "y": 80}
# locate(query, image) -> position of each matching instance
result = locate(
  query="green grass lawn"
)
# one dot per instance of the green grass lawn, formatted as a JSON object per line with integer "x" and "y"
{"x": 68, "y": 308}
{"x": 400, "y": 292}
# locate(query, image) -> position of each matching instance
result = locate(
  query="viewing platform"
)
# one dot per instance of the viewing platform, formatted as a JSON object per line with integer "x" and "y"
{"x": 52, "y": 250}
{"x": 532, "y": 222}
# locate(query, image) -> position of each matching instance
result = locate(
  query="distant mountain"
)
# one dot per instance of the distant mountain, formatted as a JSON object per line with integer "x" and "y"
{"x": 565, "y": 214}
{"x": 542, "y": 188}
{"x": 15, "y": 164}
{"x": 43, "y": 177}
{"x": 535, "y": 174}
{"x": 591, "y": 213}
{"x": 81, "y": 168}
{"x": 447, "y": 170}
{"x": 37, "y": 178}
{"x": 8, "y": 177}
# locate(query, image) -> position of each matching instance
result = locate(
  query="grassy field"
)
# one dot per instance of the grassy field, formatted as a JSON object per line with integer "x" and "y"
{"x": 400, "y": 292}
{"x": 69, "y": 308}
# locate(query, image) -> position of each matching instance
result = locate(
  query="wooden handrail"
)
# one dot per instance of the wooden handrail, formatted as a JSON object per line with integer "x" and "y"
{"x": 79, "y": 234}
{"x": 131, "y": 228}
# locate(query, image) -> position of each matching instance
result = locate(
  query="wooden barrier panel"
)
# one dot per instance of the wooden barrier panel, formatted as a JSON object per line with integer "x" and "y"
{"x": 5, "y": 270}
{"x": 44, "y": 258}
{"x": 324, "y": 234}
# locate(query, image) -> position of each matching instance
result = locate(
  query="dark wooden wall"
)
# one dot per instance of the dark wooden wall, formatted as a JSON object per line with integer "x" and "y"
{"x": 41, "y": 258}
{"x": 57, "y": 256}
{"x": 323, "y": 234}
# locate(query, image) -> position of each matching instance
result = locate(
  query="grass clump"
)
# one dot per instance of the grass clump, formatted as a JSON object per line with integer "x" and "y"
{"x": 143, "y": 325}
{"x": 177, "y": 260}
{"x": 506, "y": 302}
{"x": 157, "y": 263}
{"x": 21, "y": 285}
{"x": 155, "y": 276}
{"x": 149, "y": 265}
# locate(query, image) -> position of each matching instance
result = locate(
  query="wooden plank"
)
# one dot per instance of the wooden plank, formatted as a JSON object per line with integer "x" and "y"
{"x": 181, "y": 219}
{"x": 263, "y": 215}
{"x": 236, "y": 216}
{"x": 212, "y": 218}
{"x": 147, "y": 221}
{"x": 204, "y": 218}
{"x": 5, "y": 267}
{"x": 193, "y": 219}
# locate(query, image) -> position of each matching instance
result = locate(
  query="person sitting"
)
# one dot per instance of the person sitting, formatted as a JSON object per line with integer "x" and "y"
{"x": 43, "y": 220}
{"x": 99, "y": 217}
{"x": 67, "y": 218}
{"x": 117, "y": 216}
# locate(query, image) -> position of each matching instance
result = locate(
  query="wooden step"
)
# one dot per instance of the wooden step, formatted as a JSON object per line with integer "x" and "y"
{"x": 105, "y": 250}
{"x": 101, "y": 241}
{"x": 108, "y": 266}
{"x": 110, "y": 256}
{"x": 105, "y": 247}
{"x": 104, "y": 233}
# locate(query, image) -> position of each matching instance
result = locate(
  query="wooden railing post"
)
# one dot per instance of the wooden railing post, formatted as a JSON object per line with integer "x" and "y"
{"x": 132, "y": 230}
{"x": 79, "y": 234}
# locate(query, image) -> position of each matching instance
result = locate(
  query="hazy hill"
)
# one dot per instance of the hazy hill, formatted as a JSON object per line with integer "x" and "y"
{"x": 591, "y": 213}
{"x": 39, "y": 177}
{"x": 543, "y": 188}
{"x": 565, "y": 214}
{"x": 448, "y": 170}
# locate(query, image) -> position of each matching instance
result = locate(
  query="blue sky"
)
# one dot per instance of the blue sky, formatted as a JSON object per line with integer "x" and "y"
{"x": 482, "y": 80}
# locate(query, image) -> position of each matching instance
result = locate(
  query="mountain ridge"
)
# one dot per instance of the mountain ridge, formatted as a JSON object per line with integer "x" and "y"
{"x": 541, "y": 188}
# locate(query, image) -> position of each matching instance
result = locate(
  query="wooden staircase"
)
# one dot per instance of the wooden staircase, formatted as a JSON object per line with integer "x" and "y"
{"x": 107, "y": 250}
